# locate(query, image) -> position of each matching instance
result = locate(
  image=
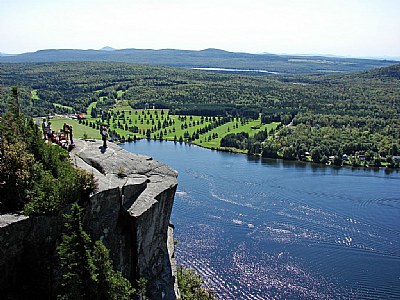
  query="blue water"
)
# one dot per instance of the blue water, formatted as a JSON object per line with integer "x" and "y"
{"x": 283, "y": 230}
{"x": 235, "y": 70}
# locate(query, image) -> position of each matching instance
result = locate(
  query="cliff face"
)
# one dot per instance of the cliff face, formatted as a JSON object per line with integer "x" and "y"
{"x": 129, "y": 212}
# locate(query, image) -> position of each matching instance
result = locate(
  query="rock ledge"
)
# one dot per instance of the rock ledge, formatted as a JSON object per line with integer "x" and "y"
{"x": 130, "y": 212}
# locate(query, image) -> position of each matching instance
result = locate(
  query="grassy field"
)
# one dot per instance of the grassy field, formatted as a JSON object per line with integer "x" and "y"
{"x": 79, "y": 130}
{"x": 251, "y": 128}
{"x": 159, "y": 124}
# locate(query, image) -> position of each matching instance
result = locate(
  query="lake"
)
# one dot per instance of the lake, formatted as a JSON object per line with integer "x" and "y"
{"x": 235, "y": 70}
{"x": 269, "y": 229}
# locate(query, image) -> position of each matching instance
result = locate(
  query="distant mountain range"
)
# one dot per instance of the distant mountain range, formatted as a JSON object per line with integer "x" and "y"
{"x": 208, "y": 58}
{"x": 107, "y": 49}
{"x": 5, "y": 54}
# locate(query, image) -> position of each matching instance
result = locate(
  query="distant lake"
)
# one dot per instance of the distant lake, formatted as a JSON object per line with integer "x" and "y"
{"x": 269, "y": 229}
{"x": 235, "y": 70}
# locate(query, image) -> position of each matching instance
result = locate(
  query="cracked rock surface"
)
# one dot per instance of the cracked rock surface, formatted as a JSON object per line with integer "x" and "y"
{"x": 114, "y": 166}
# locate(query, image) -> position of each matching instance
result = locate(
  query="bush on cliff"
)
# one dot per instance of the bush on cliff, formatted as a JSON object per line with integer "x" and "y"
{"x": 87, "y": 271}
{"x": 191, "y": 285}
{"x": 35, "y": 177}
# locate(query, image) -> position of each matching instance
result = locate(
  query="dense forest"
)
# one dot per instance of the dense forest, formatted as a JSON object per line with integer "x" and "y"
{"x": 324, "y": 116}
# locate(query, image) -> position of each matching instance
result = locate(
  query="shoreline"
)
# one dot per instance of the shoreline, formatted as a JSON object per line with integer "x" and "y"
{"x": 232, "y": 150}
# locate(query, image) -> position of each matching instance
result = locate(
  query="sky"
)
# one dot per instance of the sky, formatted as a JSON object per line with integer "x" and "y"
{"x": 356, "y": 28}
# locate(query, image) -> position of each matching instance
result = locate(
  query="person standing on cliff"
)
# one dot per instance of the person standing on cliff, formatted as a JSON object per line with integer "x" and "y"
{"x": 104, "y": 135}
{"x": 49, "y": 132}
{"x": 44, "y": 128}
{"x": 66, "y": 130}
{"x": 70, "y": 135}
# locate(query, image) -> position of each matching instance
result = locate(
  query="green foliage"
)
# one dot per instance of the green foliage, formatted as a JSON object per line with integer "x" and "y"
{"x": 358, "y": 102}
{"x": 238, "y": 140}
{"x": 243, "y": 141}
{"x": 16, "y": 168}
{"x": 289, "y": 153}
{"x": 24, "y": 103}
{"x": 142, "y": 286}
{"x": 191, "y": 285}
{"x": 87, "y": 271}
{"x": 187, "y": 91}
{"x": 270, "y": 149}
{"x": 110, "y": 284}
{"x": 35, "y": 176}
{"x": 56, "y": 182}
{"x": 17, "y": 163}
{"x": 330, "y": 141}
{"x": 77, "y": 266}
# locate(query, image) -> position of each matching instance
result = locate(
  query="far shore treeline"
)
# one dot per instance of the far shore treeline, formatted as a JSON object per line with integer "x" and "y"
{"x": 350, "y": 118}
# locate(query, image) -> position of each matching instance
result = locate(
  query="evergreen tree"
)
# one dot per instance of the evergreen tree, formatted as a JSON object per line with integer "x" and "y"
{"x": 191, "y": 285}
{"x": 77, "y": 265}
{"x": 93, "y": 112}
{"x": 111, "y": 284}
{"x": 87, "y": 271}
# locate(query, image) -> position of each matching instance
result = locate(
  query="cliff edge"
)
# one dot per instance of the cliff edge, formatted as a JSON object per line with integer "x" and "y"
{"x": 130, "y": 212}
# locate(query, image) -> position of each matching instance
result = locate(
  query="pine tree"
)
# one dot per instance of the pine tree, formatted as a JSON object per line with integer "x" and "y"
{"x": 77, "y": 266}
{"x": 87, "y": 272}
{"x": 111, "y": 284}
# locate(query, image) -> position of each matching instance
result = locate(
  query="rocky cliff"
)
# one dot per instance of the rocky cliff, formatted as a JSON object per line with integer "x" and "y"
{"x": 129, "y": 212}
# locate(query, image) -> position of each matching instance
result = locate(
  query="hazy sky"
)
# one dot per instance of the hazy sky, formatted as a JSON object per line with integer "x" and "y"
{"x": 341, "y": 27}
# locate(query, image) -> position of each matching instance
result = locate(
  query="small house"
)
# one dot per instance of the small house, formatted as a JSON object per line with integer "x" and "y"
{"x": 361, "y": 157}
{"x": 81, "y": 116}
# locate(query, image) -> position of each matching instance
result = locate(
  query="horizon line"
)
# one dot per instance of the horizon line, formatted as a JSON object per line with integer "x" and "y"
{"x": 111, "y": 49}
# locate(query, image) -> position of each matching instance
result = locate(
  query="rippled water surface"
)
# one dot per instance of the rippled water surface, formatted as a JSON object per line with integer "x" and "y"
{"x": 283, "y": 230}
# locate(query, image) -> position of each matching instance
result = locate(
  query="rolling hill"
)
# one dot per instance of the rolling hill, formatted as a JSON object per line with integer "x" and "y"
{"x": 208, "y": 58}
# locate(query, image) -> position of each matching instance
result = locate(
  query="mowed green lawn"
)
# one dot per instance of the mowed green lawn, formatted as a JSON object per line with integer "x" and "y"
{"x": 79, "y": 130}
{"x": 156, "y": 121}
{"x": 251, "y": 128}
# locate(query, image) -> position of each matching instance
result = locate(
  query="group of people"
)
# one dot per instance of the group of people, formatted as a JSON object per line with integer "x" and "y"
{"x": 62, "y": 137}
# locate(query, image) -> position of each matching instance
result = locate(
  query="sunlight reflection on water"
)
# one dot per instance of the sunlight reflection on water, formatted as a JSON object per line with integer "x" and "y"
{"x": 277, "y": 230}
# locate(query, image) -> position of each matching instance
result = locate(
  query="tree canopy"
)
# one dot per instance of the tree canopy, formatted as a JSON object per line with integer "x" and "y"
{"x": 345, "y": 113}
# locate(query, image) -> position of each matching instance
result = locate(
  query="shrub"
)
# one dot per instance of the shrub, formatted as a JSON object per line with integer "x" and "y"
{"x": 87, "y": 271}
{"x": 191, "y": 285}
{"x": 36, "y": 177}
